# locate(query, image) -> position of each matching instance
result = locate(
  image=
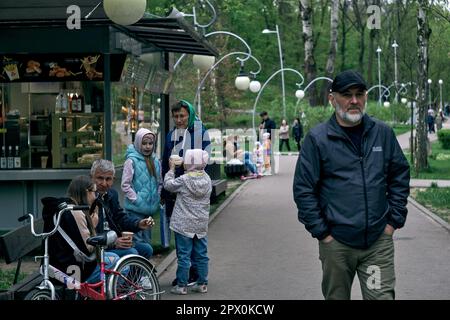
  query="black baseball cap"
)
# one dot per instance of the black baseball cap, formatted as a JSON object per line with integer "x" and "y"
{"x": 347, "y": 79}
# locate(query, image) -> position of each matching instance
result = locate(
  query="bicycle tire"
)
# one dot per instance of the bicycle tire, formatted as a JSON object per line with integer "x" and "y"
{"x": 136, "y": 281}
{"x": 40, "y": 294}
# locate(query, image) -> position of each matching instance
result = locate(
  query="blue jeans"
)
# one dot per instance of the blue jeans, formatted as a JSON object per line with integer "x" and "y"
{"x": 248, "y": 162}
{"x": 140, "y": 248}
{"x": 191, "y": 249}
{"x": 110, "y": 260}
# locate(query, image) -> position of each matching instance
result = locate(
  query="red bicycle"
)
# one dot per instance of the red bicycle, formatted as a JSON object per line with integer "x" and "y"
{"x": 132, "y": 278}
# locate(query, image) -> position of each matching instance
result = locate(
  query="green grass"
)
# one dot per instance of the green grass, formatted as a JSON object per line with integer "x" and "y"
{"x": 435, "y": 199}
{"x": 401, "y": 128}
{"x": 439, "y": 167}
{"x": 7, "y": 278}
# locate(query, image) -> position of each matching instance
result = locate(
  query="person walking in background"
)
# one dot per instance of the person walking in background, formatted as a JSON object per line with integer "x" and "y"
{"x": 140, "y": 181}
{"x": 430, "y": 121}
{"x": 351, "y": 188}
{"x": 284, "y": 135}
{"x": 267, "y": 124}
{"x": 297, "y": 132}
{"x": 190, "y": 218}
{"x": 439, "y": 120}
{"x": 112, "y": 216}
{"x": 188, "y": 133}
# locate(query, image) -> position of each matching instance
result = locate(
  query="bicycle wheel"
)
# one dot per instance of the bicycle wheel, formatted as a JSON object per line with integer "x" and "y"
{"x": 135, "y": 280}
{"x": 40, "y": 294}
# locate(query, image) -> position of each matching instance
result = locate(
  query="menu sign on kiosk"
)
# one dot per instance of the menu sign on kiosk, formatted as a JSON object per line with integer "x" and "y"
{"x": 49, "y": 68}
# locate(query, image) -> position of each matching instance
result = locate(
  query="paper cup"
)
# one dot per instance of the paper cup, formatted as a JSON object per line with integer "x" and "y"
{"x": 127, "y": 234}
{"x": 176, "y": 159}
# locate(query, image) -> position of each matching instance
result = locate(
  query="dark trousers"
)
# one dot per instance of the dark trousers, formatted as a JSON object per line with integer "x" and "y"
{"x": 297, "y": 142}
{"x": 282, "y": 142}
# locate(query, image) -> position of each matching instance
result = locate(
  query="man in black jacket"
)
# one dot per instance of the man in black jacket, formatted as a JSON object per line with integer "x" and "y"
{"x": 351, "y": 187}
{"x": 113, "y": 217}
{"x": 266, "y": 123}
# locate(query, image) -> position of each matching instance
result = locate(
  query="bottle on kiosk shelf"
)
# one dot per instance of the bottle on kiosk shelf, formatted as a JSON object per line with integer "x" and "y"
{"x": 73, "y": 102}
{"x": 80, "y": 103}
{"x": 10, "y": 158}
{"x": 3, "y": 164}
{"x": 17, "y": 162}
{"x": 64, "y": 103}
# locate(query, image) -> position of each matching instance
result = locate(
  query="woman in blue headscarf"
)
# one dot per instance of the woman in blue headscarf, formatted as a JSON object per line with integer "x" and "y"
{"x": 188, "y": 133}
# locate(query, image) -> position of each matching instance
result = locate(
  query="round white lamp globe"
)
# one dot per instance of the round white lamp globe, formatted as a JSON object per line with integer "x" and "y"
{"x": 255, "y": 86}
{"x": 242, "y": 82}
{"x": 404, "y": 100}
{"x": 387, "y": 104}
{"x": 125, "y": 12}
{"x": 300, "y": 94}
{"x": 204, "y": 63}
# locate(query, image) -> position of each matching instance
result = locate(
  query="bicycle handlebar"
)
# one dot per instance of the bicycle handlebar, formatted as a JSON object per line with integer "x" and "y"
{"x": 23, "y": 218}
{"x": 62, "y": 207}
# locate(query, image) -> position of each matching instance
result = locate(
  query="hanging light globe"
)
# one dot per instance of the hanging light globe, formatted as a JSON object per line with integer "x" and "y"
{"x": 242, "y": 82}
{"x": 255, "y": 86}
{"x": 203, "y": 63}
{"x": 125, "y": 12}
{"x": 387, "y": 104}
{"x": 299, "y": 94}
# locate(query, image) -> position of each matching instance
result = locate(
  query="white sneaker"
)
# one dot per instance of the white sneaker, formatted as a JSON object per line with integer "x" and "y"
{"x": 178, "y": 290}
{"x": 146, "y": 283}
{"x": 200, "y": 288}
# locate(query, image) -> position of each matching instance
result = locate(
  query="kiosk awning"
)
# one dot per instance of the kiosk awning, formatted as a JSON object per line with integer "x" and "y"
{"x": 166, "y": 34}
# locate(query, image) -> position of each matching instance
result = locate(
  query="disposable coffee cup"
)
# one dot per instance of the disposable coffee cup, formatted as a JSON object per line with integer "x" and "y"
{"x": 127, "y": 234}
{"x": 176, "y": 159}
{"x": 44, "y": 162}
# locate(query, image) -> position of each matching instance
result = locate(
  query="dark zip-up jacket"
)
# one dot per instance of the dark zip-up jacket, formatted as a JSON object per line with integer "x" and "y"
{"x": 118, "y": 220}
{"x": 349, "y": 194}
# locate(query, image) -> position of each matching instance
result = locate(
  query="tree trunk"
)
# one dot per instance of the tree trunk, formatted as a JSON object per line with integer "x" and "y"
{"x": 423, "y": 36}
{"x": 306, "y": 12}
{"x": 329, "y": 69}
{"x": 344, "y": 10}
{"x": 361, "y": 27}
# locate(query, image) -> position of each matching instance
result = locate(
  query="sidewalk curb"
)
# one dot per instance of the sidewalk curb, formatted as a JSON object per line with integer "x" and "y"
{"x": 162, "y": 267}
{"x": 430, "y": 214}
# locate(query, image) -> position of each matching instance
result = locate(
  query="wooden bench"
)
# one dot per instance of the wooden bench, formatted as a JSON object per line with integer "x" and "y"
{"x": 14, "y": 246}
{"x": 218, "y": 187}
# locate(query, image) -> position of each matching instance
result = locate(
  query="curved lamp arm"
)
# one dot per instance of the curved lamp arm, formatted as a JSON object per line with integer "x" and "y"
{"x": 317, "y": 79}
{"x": 249, "y": 50}
{"x": 214, "y": 18}
{"x": 218, "y": 62}
{"x": 262, "y": 89}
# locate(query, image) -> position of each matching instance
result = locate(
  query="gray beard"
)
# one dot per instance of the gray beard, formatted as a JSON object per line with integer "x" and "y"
{"x": 349, "y": 118}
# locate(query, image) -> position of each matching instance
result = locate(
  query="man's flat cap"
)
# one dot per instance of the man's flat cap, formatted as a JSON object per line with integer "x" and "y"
{"x": 346, "y": 80}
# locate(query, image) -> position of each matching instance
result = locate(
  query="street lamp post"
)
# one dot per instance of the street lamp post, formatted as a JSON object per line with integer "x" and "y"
{"x": 395, "y": 46}
{"x": 277, "y": 31}
{"x": 429, "y": 92}
{"x": 263, "y": 87}
{"x": 379, "y": 76}
{"x": 441, "y": 82}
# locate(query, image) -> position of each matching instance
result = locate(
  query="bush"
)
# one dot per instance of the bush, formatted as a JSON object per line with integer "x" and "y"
{"x": 444, "y": 138}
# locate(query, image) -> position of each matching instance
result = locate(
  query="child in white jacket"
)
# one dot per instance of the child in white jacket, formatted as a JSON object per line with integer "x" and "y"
{"x": 190, "y": 218}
